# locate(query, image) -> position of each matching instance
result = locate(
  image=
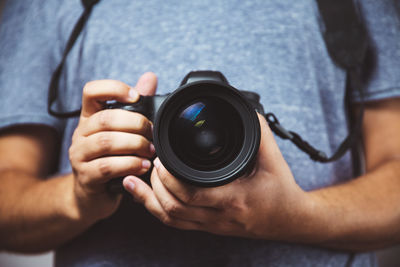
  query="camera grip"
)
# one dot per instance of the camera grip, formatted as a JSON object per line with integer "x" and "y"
{"x": 142, "y": 106}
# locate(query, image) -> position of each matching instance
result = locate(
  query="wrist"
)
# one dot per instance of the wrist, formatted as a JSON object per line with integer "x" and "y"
{"x": 291, "y": 221}
{"x": 300, "y": 218}
{"x": 313, "y": 225}
{"x": 296, "y": 222}
{"x": 89, "y": 206}
{"x": 73, "y": 206}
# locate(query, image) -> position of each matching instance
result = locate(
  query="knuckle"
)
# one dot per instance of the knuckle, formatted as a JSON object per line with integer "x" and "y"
{"x": 71, "y": 151}
{"x": 88, "y": 88}
{"x": 191, "y": 197}
{"x": 104, "y": 167}
{"x": 172, "y": 208}
{"x": 83, "y": 179}
{"x": 104, "y": 141}
{"x": 141, "y": 199}
{"x": 72, "y": 154}
{"x": 163, "y": 176}
{"x": 117, "y": 87}
{"x": 142, "y": 143}
{"x": 235, "y": 205}
{"x": 141, "y": 122}
{"x": 145, "y": 142}
{"x": 105, "y": 119}
{"x": 81, "y": 174}
{"x": 165, "y": 219}
{"x": 134, "y": 164}
{"x": 75, "y": 136}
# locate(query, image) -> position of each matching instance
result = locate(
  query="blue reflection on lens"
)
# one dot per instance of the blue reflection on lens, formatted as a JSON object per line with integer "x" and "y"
{"x": 192, "y": 111}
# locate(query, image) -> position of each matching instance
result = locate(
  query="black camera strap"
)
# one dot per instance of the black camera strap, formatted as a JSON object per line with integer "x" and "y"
{"x": 346, "y": 40}
{"x": 55, "y": 78}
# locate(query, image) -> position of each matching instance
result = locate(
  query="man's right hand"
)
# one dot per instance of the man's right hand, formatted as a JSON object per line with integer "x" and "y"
{"x": 109, "y": 144}
{"x": 38, "y": 214}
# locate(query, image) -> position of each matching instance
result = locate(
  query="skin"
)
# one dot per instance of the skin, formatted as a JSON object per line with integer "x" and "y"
{"x": 268, "y": 204}
{"x": 38, "y": 214}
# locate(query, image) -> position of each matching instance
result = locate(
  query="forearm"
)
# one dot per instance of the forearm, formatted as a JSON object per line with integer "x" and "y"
{"x": 363, "y": 214}
{"x": 36, "y": 214}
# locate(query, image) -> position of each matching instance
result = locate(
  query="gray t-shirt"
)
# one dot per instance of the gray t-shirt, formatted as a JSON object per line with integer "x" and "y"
{"x": 273, "y": 47}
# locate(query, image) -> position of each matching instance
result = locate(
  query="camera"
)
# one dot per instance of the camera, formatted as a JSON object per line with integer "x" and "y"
{"x": 206, "y": 132}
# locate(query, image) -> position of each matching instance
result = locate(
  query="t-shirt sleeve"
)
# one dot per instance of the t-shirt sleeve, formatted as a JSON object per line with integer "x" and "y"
{"x": 382, "y": 20}
{"x": 29, "y": 53}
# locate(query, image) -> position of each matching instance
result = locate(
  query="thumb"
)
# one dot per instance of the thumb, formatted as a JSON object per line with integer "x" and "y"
{"x": 147, "y": 84}
{"x": 269, "y": 157}
{"x": 140, "y": 191}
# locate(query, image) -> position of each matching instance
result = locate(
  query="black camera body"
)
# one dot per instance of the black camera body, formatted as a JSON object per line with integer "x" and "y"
{"x": 206, "y": 132}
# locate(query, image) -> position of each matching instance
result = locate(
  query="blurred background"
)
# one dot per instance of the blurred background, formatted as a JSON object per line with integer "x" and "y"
{"x": 387, "y": 258}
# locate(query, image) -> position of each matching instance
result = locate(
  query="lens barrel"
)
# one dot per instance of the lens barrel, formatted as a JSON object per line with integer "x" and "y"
{"x": 206, "y": 133}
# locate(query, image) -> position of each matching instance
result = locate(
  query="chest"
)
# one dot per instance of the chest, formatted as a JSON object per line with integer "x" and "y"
{"x": 271, "y": 47}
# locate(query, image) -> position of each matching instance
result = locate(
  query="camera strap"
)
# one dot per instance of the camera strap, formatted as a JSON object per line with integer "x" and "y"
{"x": 346, "y": 41}
{"x": 55, "y": 78}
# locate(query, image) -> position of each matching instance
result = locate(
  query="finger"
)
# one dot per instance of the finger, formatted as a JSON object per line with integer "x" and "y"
{"x": 117, "y": 120}
{"x": 269, "y": 155}
{"x": 103, "y": 169}
{"x": 215, "y": 197}
{"x": 147, "y": 84}
{"x": 95, "y": 93}
{"x": 114, "y": 143}
{"x": 177, "y": 209}
{"x": 142, "y": 193}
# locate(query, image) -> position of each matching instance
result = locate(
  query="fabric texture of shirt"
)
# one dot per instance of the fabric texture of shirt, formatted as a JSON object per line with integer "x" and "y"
{"x": 274, "y": 48}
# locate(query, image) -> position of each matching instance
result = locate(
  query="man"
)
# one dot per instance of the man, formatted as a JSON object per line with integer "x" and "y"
{"x": 290, "y": 211}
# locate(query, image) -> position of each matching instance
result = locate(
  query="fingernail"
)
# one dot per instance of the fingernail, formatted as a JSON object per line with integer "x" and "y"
{"x": 157, "y": 163}
{"x": 152, "y": 129}
{"x": 152, "y": 148}
{"x": 146, "y": 164}
{"x": 133, "y": 94}
{"x": 130, "y": 186}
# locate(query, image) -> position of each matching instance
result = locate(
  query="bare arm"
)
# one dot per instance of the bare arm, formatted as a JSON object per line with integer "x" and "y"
{"x": 365, "y": 213}
{"x": 362, "y": 214}
{"x": 33, "y": 209}
{"x": 38, "y": 214}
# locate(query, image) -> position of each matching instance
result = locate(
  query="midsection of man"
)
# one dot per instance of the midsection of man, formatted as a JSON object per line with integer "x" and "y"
{"x": 274, "y": 48}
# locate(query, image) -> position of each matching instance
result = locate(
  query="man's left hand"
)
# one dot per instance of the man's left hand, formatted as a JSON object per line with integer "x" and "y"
{"x": 265, "y": 204}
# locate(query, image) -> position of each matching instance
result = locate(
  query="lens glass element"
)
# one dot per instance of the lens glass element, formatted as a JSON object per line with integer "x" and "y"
{"x": 207, "y": 134}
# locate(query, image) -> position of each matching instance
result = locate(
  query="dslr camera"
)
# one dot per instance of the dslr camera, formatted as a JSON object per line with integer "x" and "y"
{"x": 206, "y": 132}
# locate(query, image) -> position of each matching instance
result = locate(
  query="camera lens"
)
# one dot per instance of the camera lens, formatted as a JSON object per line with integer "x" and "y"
{"x": 206, "y": 134}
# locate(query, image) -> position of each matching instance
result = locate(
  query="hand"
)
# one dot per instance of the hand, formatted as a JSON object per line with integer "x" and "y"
{"x": 109, "y": 143}
{"x": 266, "y": 204}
